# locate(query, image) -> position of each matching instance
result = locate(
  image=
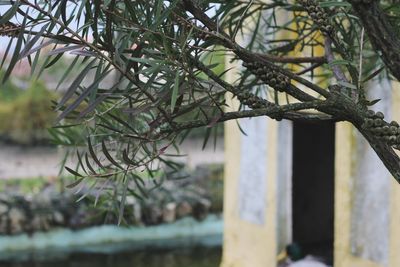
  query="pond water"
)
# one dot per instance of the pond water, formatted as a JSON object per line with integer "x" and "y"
{"x": 149, "y": 257}
{"x": 184, "y": 243}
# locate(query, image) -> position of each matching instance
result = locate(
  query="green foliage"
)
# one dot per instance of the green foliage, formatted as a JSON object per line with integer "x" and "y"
{"x": 26, "y": 186}
{"x": 26, "y": 114}
{"x": 145, "y": 73}
{"x": 8, "y": 91}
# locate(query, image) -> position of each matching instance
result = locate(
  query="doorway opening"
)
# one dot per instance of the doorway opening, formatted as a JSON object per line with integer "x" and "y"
{"x": 313, "y": 188}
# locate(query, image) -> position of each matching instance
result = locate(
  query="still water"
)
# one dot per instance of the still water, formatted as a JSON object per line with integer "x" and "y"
{"x": 154, "y": 257}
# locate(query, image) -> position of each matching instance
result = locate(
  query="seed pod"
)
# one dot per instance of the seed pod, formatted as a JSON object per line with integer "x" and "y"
{"x": 272, "y": 82}
{"x": 370, "y": 113}
{"x": 386, "y": 138}
{"x": 378, "y": 122}
{"x": 380, "y": 115}
{"x": 393, "y": 129}
{"x": 392, "y": 139}
{"x": 386, "y": 129}
{"x": 394, "y": 123}
{"x": 368, "y": 123}
{"x": 377, "y": 131}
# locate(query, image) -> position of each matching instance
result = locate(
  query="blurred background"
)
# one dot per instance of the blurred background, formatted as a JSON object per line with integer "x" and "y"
{"x": 44, "y": 223}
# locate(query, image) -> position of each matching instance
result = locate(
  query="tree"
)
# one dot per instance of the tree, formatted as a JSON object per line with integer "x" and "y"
{"x": 167, "y": 83}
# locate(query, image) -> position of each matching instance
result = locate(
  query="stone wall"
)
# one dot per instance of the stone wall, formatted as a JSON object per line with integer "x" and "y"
{"x": 195, "y": 196}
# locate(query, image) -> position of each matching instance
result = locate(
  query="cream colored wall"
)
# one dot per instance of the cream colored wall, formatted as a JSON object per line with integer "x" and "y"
{"x": 345, "y": 143}
{"x": 345, "y": 160}
{"x": 251, "y": 245}
{"x": 394, "y": 255}
{"x": 247, "y": 244}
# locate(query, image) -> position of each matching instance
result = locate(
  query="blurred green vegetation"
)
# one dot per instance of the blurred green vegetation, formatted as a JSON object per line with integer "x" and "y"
{"x": 29, "y": 185}
{"x": 25, "y": 114}
{"x": 215, "y": 61}
{"x": 8, "y": 91}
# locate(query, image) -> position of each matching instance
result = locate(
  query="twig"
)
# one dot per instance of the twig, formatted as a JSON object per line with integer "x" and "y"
{"x": 361, "y": 57}
{"x": 294, "y": 60}
{"x": 337, "y": 72}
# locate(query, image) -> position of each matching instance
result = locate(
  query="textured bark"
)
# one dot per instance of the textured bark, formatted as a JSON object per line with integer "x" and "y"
{"x": 336, "y": 104}
{"x": 345, "y": 108}
{"x": 380, "y": 33}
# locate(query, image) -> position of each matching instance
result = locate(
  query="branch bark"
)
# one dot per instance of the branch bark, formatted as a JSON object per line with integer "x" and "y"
{"x": 344, "y": 107}
{"x": 380, "y": 32}
{"x": 340, "y": 105}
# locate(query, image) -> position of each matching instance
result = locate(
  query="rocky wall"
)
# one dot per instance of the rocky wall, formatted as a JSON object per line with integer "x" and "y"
{"x": 196, "y": 196}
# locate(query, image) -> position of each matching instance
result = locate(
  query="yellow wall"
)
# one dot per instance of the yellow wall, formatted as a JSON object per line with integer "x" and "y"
{"x": 394, "y": 255}
{"x": 251, "y": 245}
{"x": 247, "y": 244}
{"x": 344, "y": 166}
{"x": 345, "y": 144}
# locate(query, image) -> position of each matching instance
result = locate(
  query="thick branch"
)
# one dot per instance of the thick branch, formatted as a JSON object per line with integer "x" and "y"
{"x": 344, "y": 107}
{"x": 294, "y": 60}
{"x": 386, "y": 153}
{"x": 288, "y": 112}
{"x": 381, "y": 33}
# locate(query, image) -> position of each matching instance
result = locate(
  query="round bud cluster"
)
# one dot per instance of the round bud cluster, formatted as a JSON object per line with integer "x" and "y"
{"x": 318, "y": 15}
{"x": 272, "y": 77}
{"x": 389, "y": 132}
{"x": 252, "y": 101}
{"x": 9, "y": 29}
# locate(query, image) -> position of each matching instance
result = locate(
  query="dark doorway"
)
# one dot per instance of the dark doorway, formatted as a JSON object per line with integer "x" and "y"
{"x": 313, "y": 188}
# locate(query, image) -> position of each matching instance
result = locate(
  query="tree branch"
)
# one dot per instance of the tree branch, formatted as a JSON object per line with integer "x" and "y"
{"x": 380, "y": 32}
{"x": 294, "y": 60}
{"x": 249, "y": 57}
{"x": 272, "y": 111}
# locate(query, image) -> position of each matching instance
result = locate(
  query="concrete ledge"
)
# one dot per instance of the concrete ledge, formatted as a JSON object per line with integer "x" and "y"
{"x": 110, "y": 238}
